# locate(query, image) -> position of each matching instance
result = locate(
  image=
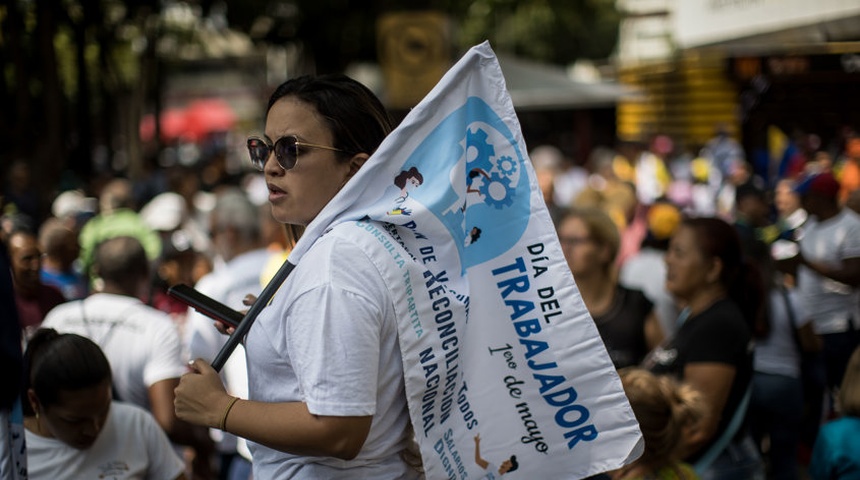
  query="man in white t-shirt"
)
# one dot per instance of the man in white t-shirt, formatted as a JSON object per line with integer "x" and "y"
{"x": 141, "y": 343}
{"x": 829, "y": 272}
{"x": 235, "y": 228}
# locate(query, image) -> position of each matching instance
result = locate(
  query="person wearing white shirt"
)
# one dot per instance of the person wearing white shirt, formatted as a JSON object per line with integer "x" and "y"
{"x": 73, "y": 427}
{"x": 326, "y": 383}
{"x": 828, "y": 279}
{"x": 142, "y": 343}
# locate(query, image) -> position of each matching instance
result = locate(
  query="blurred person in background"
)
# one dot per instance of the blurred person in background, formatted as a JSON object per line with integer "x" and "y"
{"x": 752, "y": 220}
{"x": 570, "y": 178}
{"x": 665, "y": 410}
{"x": 821, "y": 162}
{"x": 73, "y": 209}
{"x": 828, "y": 273}
{"x": 607, "y": 192}
{"x": 837, "y": 450}
{"x": 177, "y": 264}
{"x": 167, "y": 215}
{"x": 706, "y": 181}
{"x": 646, "y": 271}
{"x": 13, "y": 222}
{"x": 853, "y": 201}
{"x": 60, "y": 248}
{"x": 19, "y": 194}
{"x": 630, "y": 217}
{"x": 235, "y": 227}
{"x": 740, "y": 174}
{"x": 185, "y": 182}
{"x": 73, "y": 427}
{"x": 849, "y": 168}
{"x": 799, "y": 151}
{"x": 791, "y": 215}
{"x": 142, "y": 343}
{"x": 547, "y": 161}
{"x": 625, "y": 318}
{"x": 713, "y": 346}
{"x": 723, "y": 152}
{"x": 117, "y": 217}
{"x": 777, "y": 403}
{"x": 652, "y": 173}
{"x": 33, "y": 298}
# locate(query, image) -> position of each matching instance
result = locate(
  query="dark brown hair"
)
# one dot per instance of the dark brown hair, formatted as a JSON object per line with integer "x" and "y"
{"x": 400, "y": 179}
{"x": 741, "y": 278}
{"x": 356, "y": 118}
{"x": 57, "y": 362}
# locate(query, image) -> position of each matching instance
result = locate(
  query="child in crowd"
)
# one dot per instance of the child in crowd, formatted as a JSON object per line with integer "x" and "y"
{"x": 665, "y": 409}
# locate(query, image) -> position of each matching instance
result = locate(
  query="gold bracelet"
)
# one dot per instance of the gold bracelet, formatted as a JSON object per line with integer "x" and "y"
{"x": 223, "y": 423}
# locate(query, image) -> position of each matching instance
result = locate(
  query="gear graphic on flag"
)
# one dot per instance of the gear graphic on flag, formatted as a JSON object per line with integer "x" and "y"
{"x": 506, "y": 165}
{"x": 497, "y": 191}
{"x": 485, "y": 151}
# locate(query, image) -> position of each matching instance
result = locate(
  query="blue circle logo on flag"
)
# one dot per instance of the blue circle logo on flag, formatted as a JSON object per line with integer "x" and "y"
{"x": 472, "y": 177}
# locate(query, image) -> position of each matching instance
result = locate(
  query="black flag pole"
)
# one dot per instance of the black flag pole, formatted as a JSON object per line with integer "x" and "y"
{"x": 245, "y": 325}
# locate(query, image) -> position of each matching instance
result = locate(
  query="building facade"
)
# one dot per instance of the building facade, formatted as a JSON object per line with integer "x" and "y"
{"x": 748, "y": 65}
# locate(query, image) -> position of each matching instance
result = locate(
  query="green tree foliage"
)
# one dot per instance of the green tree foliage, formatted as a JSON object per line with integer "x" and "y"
{"x": 77, "y": 74}
{"x": 556, "y": 31}
{"x": 336, "y": 32}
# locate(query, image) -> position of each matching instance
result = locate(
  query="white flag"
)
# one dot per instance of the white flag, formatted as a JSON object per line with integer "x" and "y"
{"x": 496, "y": 340}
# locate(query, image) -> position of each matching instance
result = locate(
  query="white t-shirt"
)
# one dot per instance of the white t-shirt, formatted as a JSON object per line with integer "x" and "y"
{"x": 131, "y": 445}
{"x": 141, "y": 343}
{"x": 648, "y": 183}
{"x": 329, "y": 339}
{"x": 777, "y": 354}
{"x": 830, "y": 303}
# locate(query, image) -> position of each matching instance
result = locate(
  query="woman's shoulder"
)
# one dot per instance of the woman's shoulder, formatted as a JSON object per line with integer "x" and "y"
{"x": 340, "y": 258}
{"x": 724, "y": 312}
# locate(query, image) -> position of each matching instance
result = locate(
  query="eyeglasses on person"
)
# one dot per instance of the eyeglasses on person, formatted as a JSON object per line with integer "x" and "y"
{"x": 287, "y": 150}
{"x": 568, "y": 242}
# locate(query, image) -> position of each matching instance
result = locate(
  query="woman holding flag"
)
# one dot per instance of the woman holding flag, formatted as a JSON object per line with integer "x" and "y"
{"x": 326, "y": 382}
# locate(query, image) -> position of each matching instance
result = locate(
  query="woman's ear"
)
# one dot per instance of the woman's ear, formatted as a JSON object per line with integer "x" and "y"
{"x": 34, "y": 400}
{"x": 606, "y": 255}
{"x": 715, "y": 270}
{"x": 356, "y": 162}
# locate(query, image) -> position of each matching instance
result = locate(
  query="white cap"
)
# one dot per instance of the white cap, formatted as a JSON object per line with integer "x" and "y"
{"x": 71, "y": 203}
{"x": 165, "y": 212}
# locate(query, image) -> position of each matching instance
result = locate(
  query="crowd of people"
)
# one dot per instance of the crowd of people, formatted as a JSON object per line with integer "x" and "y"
{"x": 740, "y": 282}
{"x": 727, "y": 295}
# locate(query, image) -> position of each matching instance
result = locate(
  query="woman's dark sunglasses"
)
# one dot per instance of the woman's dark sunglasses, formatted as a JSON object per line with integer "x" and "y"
{"x": 287, "y": 150}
